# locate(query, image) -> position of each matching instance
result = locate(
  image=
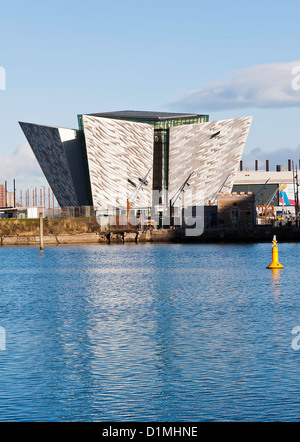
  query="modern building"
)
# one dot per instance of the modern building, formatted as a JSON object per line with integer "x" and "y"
{"x": 123, "y": 156}
{"x": 269, "y": 187}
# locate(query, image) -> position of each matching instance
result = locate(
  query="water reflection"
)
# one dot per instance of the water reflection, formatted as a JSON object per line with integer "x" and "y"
{"x": 276, "y": 282}
{"x": 154, "y": 333}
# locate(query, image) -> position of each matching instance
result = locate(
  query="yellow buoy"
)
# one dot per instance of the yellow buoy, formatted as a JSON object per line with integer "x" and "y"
{"x": 275, "y": 264}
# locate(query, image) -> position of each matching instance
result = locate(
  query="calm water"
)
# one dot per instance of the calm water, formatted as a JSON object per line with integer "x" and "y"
{"x": 149, "y": 333}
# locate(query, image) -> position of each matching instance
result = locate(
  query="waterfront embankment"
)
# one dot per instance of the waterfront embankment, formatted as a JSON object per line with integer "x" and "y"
{"x": 74, "y": 231}
{"x": 87, "y": 231}
{"x": 116, "y": 237}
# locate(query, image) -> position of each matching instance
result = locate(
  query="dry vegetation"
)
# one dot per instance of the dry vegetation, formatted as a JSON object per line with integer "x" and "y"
{"x": 30, "y": 227}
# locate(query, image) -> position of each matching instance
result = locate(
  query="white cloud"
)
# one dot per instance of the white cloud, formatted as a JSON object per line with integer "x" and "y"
{"x": 261, "y": 86}
{"x": 21, "y": 166}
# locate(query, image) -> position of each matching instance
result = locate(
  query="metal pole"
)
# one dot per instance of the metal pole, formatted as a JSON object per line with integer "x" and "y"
{"x": 294, "y": 186}
{"x": 297, "y": 197}
{"x": 128, "y": 212}
{"x": 266, "y": 214}
{"x": 171, "y": 214}
{"x": 14, "y": 193}
{"x": 282, "y": 208}
{"x": 41, "y": 232}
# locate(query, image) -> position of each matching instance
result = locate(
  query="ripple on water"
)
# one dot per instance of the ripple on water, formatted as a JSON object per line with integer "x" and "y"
{"x": 149, "y": 333}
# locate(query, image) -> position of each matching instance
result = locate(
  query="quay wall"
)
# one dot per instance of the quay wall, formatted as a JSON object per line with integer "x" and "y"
{"x": 261, "y": 234}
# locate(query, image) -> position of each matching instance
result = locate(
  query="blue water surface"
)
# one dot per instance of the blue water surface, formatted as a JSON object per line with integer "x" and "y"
{"x": 166, "y": 333}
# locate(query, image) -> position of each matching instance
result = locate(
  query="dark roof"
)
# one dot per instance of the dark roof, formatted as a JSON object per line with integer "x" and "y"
{"x": 143, "y": 115}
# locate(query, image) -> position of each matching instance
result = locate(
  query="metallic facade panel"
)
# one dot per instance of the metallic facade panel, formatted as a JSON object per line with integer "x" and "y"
{"x": 47, "y": 144}
{"x": 76, "y": 156}
{"x": 212, "y": 151}
{"x": 118, "y": 151}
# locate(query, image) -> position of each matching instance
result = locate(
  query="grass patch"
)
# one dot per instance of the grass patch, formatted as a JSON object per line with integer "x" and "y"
{"x": 52, "y": 226}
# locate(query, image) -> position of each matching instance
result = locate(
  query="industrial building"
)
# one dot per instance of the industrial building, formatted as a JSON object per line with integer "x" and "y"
{"x": 126, "y": 156}
{"x": 276, "y": 192}
{"x": 269, "y": 187}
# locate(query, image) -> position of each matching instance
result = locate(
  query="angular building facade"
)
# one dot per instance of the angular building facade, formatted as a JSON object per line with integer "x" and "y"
{"x": 62, "y": 157}
{"x": 124, "y": 156}
{"x": 211, "y": 152}
{"x": 118, "y": 153}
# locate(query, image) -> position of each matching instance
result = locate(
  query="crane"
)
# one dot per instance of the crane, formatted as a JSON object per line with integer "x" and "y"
{"x": 274, "y": 194}
{"x": 261, "y": 190}
{"x": 220, "y": 189}
{"x": 181, "y": 189}
{"x": 268, "y": 203}
{"x": 177, "y": 195}
{"x": 135, "y": 193}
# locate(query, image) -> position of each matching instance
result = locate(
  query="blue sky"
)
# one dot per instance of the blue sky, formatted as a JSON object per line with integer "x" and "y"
{"x": 225, "y": 58}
